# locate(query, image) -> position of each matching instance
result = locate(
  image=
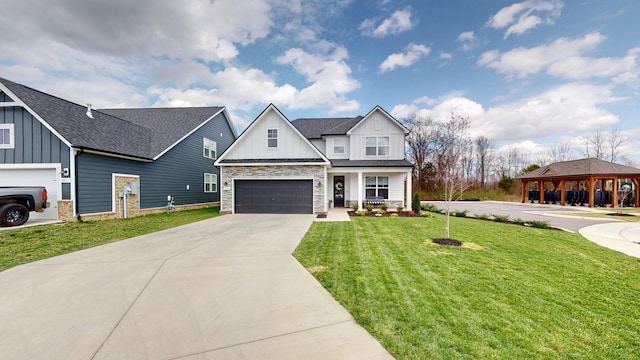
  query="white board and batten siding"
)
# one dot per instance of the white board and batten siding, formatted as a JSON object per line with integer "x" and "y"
{"x": 377, "y": 124}
{"x": 46, "y": 175}
{"x": 291, "y": 144}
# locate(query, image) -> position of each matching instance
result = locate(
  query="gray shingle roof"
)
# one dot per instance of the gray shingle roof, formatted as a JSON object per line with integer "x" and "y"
{"x": 140, "y": 133}
{"x": 578, "y": 168}
{"x": 371, "y": 163}
{"x": 317, "y": 128}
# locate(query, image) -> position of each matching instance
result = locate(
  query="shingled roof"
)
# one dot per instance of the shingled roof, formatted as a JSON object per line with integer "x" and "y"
{"x": 316, "y": 128}
{"x": 140, "y": 133}
{"x": 582, "y": 167}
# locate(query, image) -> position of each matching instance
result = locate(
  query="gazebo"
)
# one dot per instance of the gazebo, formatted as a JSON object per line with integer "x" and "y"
{"x": 586, "y": 173}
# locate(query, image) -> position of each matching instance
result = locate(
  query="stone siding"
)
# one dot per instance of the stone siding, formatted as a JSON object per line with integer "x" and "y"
{"x": 65, "y": 210}
{"x": 230, "y": 173}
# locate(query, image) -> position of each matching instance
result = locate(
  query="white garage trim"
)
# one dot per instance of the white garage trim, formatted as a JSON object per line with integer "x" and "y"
{"x": 55, "y": 191}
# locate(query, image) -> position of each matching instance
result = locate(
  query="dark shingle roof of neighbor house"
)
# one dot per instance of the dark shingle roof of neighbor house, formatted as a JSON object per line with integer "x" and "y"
{"x": 370, "y": 163}
{"x": 317, "y": 128}
{"x": 140, "y": 133}
{"x": 580, "y": 167}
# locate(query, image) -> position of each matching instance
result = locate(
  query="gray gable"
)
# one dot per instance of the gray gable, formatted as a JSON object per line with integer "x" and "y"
{"x": 317, "y": 128}
{"x": 140, "y": 133}
{"x": 167, "y": 125}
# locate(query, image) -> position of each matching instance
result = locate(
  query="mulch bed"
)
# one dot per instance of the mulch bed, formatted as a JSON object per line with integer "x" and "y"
{"x": 447, "y": 242}
{"x": 387, "y": 214}
{"x": 321, "y": 216}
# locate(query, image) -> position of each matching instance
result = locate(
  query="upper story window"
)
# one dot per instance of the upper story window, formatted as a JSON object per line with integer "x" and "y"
{"x": 377, "y": 145}
{"x": 209, "y": 148}
{"x": 338, "y": 146}
{"x": 6, "y": 136}
{"x": 272, "y": 138}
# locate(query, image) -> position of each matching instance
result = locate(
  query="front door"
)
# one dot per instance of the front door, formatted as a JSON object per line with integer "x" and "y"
{"x": 338, "y": 191}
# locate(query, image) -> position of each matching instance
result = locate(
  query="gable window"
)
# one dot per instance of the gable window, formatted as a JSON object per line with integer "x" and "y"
{"x": 209, "y": 148}
{"x": 272, "y": 138}
{"x": 377, "y": 186}
{"x": 210, "y": 183}
{"x": 377, "y": 145}
{"x": 338, "y": 146}
{"x": 6, "y": 136}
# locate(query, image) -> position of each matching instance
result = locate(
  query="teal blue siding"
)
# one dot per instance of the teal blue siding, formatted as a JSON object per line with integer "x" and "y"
{"x": 34, "y": 143}
{"x": 170, "y": 174}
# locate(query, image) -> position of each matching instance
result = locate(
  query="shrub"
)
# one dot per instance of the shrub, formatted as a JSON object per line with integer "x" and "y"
{"x": 362, "y": 212}
{"x": 393, "y": 214}
{"x": 400, "y": 208}
{"x": 539, "y": 224}
{"x": 369, "y": 207}
{"x": 518, "y": 221}
{"x": 481, "y": 216}
{"x": 354, "y": 207}
{"x": 432, "y": 208}
{"x": 384, "y": 207}
{"x": 501, "y": 218}
{"x": 460, "y": 213}
{"x": 415, "y": 202}
{"x": 381, "y": 211}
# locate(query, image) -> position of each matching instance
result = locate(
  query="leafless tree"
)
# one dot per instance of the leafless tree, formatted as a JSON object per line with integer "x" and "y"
{"x": 421, "y": 145}
{"x": 594, "y": 145}
{"x": 616, "y": 140}
{"x": 484, "y": 153}
{"x": 453, "y": 140}
{"x": 559, "y": 152}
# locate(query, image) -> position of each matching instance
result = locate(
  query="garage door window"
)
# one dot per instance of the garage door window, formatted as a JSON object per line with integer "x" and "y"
{"x": 210, "y": 183}
{"x": 6, "y": 136}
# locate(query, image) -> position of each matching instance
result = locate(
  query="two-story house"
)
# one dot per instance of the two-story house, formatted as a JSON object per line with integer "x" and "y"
{"x": 308, "y": 165}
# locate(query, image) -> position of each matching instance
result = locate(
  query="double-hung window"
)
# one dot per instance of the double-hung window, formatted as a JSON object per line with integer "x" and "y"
{"x": 377, "y": 186}
{"x": 6, "y": 136}
{"x": 272, "y": 138}
{"x": 209, "y": 148}
{"x": 338, "y": 146}
{"x": 377, "y": 145}
{"x": 210, "y": 183}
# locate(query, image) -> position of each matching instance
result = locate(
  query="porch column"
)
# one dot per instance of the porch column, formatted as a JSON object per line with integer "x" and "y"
{"x": 407, "y": 204}
{"x": 614, "y": 193}
{"x": 562, "y": 192}
{"x": 524, "y": 185}
{"x": 360, "y": 186}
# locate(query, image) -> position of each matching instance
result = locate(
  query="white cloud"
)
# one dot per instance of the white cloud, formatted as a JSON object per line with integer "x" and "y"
{"x": 621, "y": 70}
{"x": 466, "y": 36}
{"x": 526, "y": 61}
{"x": 445, "y": 56}
{"x": 571, "y": 108}
{"x": 521, "y": 17}
{"x": 400, "y": 21}
{"x": 413, "y": 53}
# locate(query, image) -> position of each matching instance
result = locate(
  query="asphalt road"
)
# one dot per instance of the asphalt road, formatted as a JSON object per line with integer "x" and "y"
{"x": 555, "y": 215}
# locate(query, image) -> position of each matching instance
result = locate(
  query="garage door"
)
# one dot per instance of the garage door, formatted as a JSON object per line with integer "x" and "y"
{"x": 35, "y": 177}
{"x": 274, "y": 196}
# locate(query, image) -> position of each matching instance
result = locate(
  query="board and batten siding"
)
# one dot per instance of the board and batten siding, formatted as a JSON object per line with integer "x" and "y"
{"x": 170, "y": 174}
{"x": 291, "y": 144}
{"x": 34, "y": 143}
{"x": 377, "y": 124}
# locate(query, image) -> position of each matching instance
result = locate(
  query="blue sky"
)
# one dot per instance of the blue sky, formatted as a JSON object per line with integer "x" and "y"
{"x": 529, "y": 74}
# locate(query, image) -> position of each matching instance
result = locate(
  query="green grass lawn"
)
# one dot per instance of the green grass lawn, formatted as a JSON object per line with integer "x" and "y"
{"x": 19, "y": 246}
{"x": 511, "y": 292}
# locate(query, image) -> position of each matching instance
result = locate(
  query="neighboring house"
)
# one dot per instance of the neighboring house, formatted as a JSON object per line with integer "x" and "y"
{"x": 307, "y": 165}
{"x": 110, "y": 163}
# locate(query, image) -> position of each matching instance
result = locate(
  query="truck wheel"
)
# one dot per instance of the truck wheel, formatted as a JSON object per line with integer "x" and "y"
{"x": 13, "y": 215}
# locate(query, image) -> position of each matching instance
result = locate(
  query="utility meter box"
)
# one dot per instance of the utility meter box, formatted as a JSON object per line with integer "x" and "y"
{"x": 134, "y": 188}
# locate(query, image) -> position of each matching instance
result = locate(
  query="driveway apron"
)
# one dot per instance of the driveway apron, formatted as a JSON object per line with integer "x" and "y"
{"x": 224, "y": 288}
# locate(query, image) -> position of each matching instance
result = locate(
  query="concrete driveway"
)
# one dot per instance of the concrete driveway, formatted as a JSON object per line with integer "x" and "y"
{"x": 224, "y": 288}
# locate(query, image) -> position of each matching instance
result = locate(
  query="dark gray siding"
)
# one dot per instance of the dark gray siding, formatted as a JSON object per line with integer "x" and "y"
{"x": 34, "y": 143}
{"x": 169, "y": 175}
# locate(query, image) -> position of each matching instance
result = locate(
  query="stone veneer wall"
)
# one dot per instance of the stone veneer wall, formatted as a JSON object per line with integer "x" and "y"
{"x": 65, "y": 210}
{"x": 274, "y": 172}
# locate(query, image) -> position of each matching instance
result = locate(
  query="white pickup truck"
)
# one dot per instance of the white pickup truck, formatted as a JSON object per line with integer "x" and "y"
{"x": 17, "y": 201}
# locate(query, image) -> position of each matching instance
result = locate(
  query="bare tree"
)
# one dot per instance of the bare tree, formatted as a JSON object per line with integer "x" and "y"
{"x": 616, "y": 140}
{"x": 594, "y": 145}
{"x": 421, "y": 144}
{"x": 484, "y": 153}
{"x": 559, "y": 152}
{"x": 453, "y": 140}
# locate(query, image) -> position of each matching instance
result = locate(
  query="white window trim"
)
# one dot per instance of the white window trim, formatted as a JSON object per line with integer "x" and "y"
{"x": 377, "y": 186}
{"x": 272, "y": 138}
{"x": 211, "y": 184}
{"x": 12, "y": 138}
{"x": 336, "y": 145}
{"x": 378, "y": 146}
{"x": 211, "y": 146}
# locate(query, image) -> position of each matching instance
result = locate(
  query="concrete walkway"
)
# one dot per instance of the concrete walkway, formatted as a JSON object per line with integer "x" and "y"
{"x": 224, "y": 288}
{"x": 335, "y": 214}
{"x": 620, "y": 236}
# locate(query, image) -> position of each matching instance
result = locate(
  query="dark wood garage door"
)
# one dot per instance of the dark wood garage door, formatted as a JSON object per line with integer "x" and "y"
{"x": 274, "y": 196}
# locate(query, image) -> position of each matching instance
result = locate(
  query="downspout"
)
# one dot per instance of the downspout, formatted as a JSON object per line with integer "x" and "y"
{"x": 76, "y": 205}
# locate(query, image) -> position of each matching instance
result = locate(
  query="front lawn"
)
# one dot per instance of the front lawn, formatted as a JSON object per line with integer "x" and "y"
{"x": 19, "y": 246}
{"x": 510, "y": 292}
